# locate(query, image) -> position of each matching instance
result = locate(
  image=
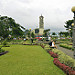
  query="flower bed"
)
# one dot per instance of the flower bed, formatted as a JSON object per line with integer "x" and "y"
{"x": 42, "y": 45}
{"x": 53, "y": 54}
{"x": 2, "y": 53}
{"x": 63, "y": 58}
{"x": 68, "y": 70}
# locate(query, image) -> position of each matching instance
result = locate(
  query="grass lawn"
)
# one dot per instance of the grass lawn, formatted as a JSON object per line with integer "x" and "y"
{"x": 27, "y": 60}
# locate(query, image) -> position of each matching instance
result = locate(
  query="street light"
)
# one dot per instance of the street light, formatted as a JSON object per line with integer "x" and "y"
{"x": 72, "y": 32}
{"x": 73, "y": 10}
{"x": 72, "y": 24}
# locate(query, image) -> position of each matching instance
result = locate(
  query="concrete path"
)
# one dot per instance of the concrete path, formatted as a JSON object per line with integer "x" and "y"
{"x": 66, "y": 51}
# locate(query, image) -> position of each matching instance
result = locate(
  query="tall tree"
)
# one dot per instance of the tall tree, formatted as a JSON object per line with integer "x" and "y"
{"x": 9, "y": 26}
{"x": 68, "y": 24}
{"x": 45, "y": 32}
{"x": 53, "y": 33}
{"x": 63, "y": 33}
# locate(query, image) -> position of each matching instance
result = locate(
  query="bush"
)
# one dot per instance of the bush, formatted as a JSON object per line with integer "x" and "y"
{"x": 63, "y": 58}
{"x": 4, "y": 43}
{"x": 68, "y": 70}
{"x": 47, "y": 47}
{"x": 42, "y": 45}
{"x": 58, "y": 52}
{"x": 53, "y": 54}
{"x": 1, "y": 50}
{"x": 66, "y": 46}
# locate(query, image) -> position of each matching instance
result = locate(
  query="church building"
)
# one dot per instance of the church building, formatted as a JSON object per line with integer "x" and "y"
{"x": 39, "y": 31}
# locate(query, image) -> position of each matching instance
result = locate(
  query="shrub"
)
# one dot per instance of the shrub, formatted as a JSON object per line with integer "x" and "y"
{"x": 53, "y": 54}
{"x": 4, "y": 43}
{"x": 1, "y": 50}
{"x": 58, "y": 52}
{"x": 66, "y": 46}
{"x": 68, "y": 70}
{"x": 42, "y": 45}
{"x": 63, "y": 58}
{"x": 67, "y": 60}
{"x": 47, "y": 47}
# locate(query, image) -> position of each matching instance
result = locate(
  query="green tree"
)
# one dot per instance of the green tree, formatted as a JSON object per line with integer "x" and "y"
{"x": 45, "y": 32}
{"x": 28, "y": 34}
{"x": 53, "y": 33}
{"x": 68, "y": 24}
{"x": 63, "y": 34}
{"x": 9, "y": 26}
{"x": 17, "y": 32}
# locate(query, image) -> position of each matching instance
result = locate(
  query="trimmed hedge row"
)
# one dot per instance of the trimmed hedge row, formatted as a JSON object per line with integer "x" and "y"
{"x": 68, "y": 70}
{"x": 63, "y": 58}
{"x": 30, "y": 44}
{"x": 66, "y": 46}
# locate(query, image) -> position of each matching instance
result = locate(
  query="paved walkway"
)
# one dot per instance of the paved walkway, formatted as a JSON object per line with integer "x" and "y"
{"x": 66, "y": 51}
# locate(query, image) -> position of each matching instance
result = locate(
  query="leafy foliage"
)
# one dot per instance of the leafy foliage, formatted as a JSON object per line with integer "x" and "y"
{"x": 66, "y": 46}
{"x": 9, "y": 26}
{"x": 63, "y": 58}
{"x": 54, "y": 55}
{"x": 4, "y": 43}
{"x": 1, "y": 50}
{"x": 63, "y": 34}
{"x": 53, "y": 33}
{"x": 68, "y": 24}
{"x": 68, "y": 70}
{"x": 45, "y": 32}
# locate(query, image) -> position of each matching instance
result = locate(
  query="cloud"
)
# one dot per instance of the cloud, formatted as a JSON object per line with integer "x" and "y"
{"x": 27, "y": 12}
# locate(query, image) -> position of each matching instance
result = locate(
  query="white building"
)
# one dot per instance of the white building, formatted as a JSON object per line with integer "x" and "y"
{"x": 40, "y": 30}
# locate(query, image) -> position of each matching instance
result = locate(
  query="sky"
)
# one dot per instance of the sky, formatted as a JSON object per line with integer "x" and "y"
{"x": 27, "y": 12}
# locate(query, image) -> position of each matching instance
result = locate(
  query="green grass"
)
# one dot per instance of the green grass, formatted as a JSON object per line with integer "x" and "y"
{"x": 27, "y": 60}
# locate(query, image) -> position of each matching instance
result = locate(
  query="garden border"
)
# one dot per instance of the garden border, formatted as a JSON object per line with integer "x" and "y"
{"x": 2, "y": 53}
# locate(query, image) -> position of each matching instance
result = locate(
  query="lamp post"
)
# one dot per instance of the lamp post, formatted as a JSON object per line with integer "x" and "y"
{"x": 72, "y": 30}
{"x": 73, "y": 10}
{"x": 69, "y": 30}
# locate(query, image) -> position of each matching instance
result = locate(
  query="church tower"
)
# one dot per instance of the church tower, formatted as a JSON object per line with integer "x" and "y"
{"x": 41, "y": 22}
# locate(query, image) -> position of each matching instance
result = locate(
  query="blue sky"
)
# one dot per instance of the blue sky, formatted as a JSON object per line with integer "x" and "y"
{"x": 27, "y": 12}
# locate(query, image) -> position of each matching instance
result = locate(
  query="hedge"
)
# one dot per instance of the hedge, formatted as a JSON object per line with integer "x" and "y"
{"x": 63, "y": 58}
